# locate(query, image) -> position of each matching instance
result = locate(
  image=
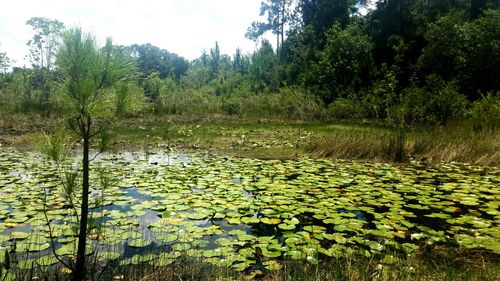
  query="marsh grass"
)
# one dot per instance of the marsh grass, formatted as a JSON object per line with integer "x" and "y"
{"x": 354, "y": 144}
{"x": 455, "y": 144}
{"x": 443, "y": 144}
{"x": 274, "y": 138}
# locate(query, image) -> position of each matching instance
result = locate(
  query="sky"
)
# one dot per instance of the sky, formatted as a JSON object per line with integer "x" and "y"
{"x": 185, "y": 27}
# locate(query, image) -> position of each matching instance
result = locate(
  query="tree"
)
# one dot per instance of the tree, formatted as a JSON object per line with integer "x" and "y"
{"x": 5, "y": 62}
{"x": 43, "y": 46}
{"x": 215, "y": 58}
{"x": 152, "y": 59}
{"x": 323, "y": 14}
{"x": 466, "y": 51}
{"x": 278, "y": 15}
{"x": 42, "y": 50}
{"x": 345, "y": 63}
{"x": 262, "y": 70}
{"x": 240, "y": 62}
{"x": 88, "y": 98}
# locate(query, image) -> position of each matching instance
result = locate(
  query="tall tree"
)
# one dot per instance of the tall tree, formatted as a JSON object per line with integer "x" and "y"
{"x": 240, "y": 62}
{"x": 42, "y": 51}
{"x": 43, "y": 45}
{"x": 278, "y": 15}
{"x": 89, "y": 74}
{"x": 345, "y": 63}
{"x": 323, "y": 14}
{"x": 262, "y": 70}
{"x": 152, "y": 59}
{"x": 215, "y": 60}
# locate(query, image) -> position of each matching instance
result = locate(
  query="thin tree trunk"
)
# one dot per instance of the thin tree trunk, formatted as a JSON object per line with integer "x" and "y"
{"x": 282, "y": 23}
{"x": 79, "y": 273}
{"x": 277, "y": 43}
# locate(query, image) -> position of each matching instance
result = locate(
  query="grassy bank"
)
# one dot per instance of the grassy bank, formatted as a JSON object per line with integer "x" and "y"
{"x": 275, "y": 138}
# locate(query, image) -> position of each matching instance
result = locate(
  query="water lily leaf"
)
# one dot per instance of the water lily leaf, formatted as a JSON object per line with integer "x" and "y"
{"x": 211, "y": 253}
{"x": 103, "y": 256}
{"x": 272, "y": 265}
{"x": 167, "y": 238}
{"x": 314, "y": 228}
{"x": 285, "y": 226}
{"x": 271, "y": 254}
{"x": 18, "y": 235}
{"x": 138, "y": 243}
{"x": 46, "y": 260}
{"x": 249, "y": 220}
{"x": 271, "y": 221}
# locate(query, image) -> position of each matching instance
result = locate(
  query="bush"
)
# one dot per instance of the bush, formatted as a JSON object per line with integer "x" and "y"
{"x": 485, "y": 112}
{"x": 436, "y": 103}
{"x": 187, "y": 102}
{"x": 232, "y": 106}
{"x": 290, "y": 103}
{"x": 343, "y": 109}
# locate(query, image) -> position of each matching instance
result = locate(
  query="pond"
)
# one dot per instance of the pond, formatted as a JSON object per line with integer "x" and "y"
{"x": 242, "y": 212}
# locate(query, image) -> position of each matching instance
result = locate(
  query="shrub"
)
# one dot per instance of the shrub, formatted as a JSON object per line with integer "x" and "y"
{"x": 343, "y": 109}
{"x": 289, "y": 102}
{"x": 232, "y": 106}
{"x": 436, "y": 103}
{"x": 485, "y": 112}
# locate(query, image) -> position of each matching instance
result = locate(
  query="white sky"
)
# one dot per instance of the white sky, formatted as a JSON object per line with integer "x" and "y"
{"x": 185, "y": 27}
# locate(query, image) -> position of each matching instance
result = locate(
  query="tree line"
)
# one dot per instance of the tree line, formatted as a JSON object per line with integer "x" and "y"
{"x": 422, "y": 61}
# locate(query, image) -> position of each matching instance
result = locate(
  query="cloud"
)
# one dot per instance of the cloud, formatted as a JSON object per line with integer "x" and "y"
{"x": 185, "y": 27}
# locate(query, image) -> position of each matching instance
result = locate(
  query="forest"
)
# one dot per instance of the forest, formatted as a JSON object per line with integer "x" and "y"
{"x": 361, "y": 143}
{"x": 425, "y": 62}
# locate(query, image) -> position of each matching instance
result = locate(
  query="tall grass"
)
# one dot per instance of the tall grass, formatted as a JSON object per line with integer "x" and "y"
{"x": 288, "y": 103}
{"x": 453, "y": 143}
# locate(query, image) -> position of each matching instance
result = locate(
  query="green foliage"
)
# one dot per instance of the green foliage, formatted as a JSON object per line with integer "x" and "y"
{"x": 291, "y": 103}
{"x": 153, "y": 85}
{"x": 344, "y": 108}
{"x": 187, "y": 101}
{"x": 323, "y": 14}
{"x": 485, "y": 112}
{"x": 345, "y": 63}
{"x": 363, "y": 66}
{"x": 232, "y": 106}
{"x": 44, "y": 44}
{"x": 5, "y": 62}
{"x": 54, "y": 145}
{"x": 468, "y": 51}
{"x": 437, "y": 103}
{"x": 89, "y": 72}
{"x": 151, "y": 59}
{"x": 129, "y": 98}
{"x": 262, "y": 71}
{"x": 215, "y": 60}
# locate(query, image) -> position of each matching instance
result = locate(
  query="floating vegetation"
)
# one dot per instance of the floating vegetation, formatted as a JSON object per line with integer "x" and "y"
{"x": 242, "y": 213}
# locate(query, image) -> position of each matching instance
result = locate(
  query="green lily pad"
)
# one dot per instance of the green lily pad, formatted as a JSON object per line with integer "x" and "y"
{"x": 139, "y": 243}
{"x": 271, "y": 221}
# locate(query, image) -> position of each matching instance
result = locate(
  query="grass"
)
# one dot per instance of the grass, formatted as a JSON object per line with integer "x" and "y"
{"x": 454, "y": 143}
{"x": 277, "y": 139}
